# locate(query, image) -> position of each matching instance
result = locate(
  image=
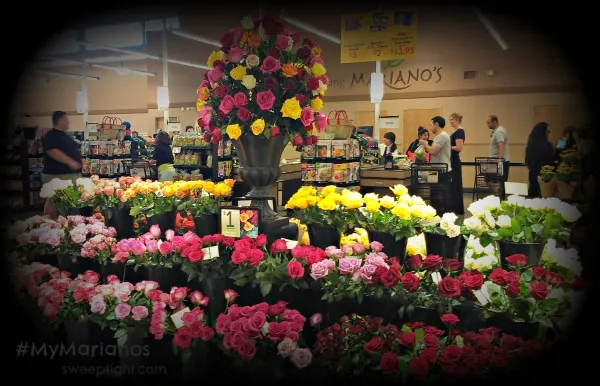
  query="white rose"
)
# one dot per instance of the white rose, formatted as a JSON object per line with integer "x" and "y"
{"x": 249, "y": 82}
{"x": 453, "y": 231}
{"x": 449, "y": 218}
{"x": 286, "y": 347}
{"x": 47, "y": 191}
{"x": 301, "y": 357}
{"x": 252, "y": 60}
{"x": 517, "y": 200}
{"x": 504, "y": 221}
{"x": 86, "y": 183}
{"x": 491, "y": 202}
{"x": 569, "y": 212}
{"x": 489, "y": 219}
{"x": 473, "y": 224}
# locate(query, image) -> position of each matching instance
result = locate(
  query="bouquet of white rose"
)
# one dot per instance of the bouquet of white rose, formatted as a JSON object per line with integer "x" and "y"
{"x": 65, "y": 195}
{"x": 479, "y": 257}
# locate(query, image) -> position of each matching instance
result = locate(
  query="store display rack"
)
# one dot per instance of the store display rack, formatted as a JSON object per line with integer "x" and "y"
{"x": 195, "y": 159}
{"x": 107, "y": 159}
{"x": 332, "y": 162}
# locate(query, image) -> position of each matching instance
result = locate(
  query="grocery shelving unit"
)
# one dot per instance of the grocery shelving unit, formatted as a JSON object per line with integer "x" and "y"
{"x": 332, "y": 162}
{"x": 193, "y": 157}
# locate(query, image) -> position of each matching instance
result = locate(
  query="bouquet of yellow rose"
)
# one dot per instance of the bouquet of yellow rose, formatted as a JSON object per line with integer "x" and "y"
{"x": 203, "y": 196}
{"x": 265, "y": 80}
{"x": 399, "y": 216}
{"x": 151, "y": 198}
{"x": 329, "y": 208}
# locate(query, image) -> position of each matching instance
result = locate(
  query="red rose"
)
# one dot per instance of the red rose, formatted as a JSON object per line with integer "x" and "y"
{"x": 500, "y": 358}
{"x": 270, "y": 65}
{"x": 274, "y": 52}
{"x": 511, "y": 342}
{"x": 278, "y": 246}
{"x": 374, "y": 345}
{"x": 297, "y": 140}
{"x": 449, "y": 319}
{"x": 431, "y": 341}
{"x": 302, "y": 99}
{"x": 498, "y": 276}
{"x": 539, "y": 291}
{"x": 256, "y": 321}
{"x": 247, "y": 350}
{"x": 379, "y": 271}
{"x": 265, "y": 99}
{"x": 538, "y": 272}
{"x": 577, "y": 283}
{"x": 471, "y": 280}
{"x": 256, "y": 256}
{"x": 261, "y": 241}
{"x": 517, "y": 260}
{"x": 407, "y": 339}
{"x": 221, "y": 91}
{"x": 313, "y": 84}
{"x": 432, "y": 263}
{"x": 240, "y": 99}
{"x": 275, "y": 131}
{"x": 452, "y": 265}
{"x": 451, "y": 354}
{"x": 390, "y": 278}
{"x": 303, "y": 52}
{"x": 196, "y": 255}
{"x": 419, "y": 368}
{"x": 410, "y": 281}
{"x": 430, "y": 354}
{"x": 270, "y": 83}
{"x": 289, "y": 85}
{"x": 512, "y": 277}
{"x": 555, "y": 279}
{"x": 295, "y": 270}
{"x": 243, "y": 114}
{"x": 277, "y": 308}
{"x": 449, "y": 287}
{"x": 388, "y": 363}
{"x": 414, "y": 262}
{"x": 513, "y": 290}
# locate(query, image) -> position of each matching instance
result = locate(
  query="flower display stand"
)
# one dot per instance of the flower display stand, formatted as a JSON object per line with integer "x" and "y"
{"x": 164, "y": 220}
{"x": 391, "y": 246}
{"x": 121, "y": 220}
{"x": 323, "y": 236}
{"x": 444, "y": 246}
{"x": 206, "y": 224}
{"x": 548, "y": 189}
{"x": 167, "y": 277}
{"x": 532, "y": 251}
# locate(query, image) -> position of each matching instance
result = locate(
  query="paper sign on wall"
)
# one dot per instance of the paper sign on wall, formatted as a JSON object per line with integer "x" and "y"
{"x": 389, "y": 122}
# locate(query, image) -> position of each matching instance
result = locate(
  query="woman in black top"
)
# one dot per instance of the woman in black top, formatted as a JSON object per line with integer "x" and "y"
{"x": 422, "y": 133}
{"x": 163, "y": 157}
{"x": 539, "y": 152}
{"x": 457, "y": 141}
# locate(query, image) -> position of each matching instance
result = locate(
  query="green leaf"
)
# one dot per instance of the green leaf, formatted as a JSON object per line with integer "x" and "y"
{"x": 419, "y": 334}
{"x": 122, "y": 340}
{"x": 527, "y": 275}
{"x": 460, "y": 342}
{"x": 405, "y": 328}
{"x": 186, "y": 356}
{"x": 265, "y": 288}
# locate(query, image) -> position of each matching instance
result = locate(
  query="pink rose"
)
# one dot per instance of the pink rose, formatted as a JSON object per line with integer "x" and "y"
{"x": 165, "y": 248}
{"x": 152, "y": 246}
{"x": 138, "y": 248}
{"x": 316, "y": 319}
{"x": 265, "y": 99}
{"x": 283, "y": 42}
{"x": 97, "y": 305}
{"x": 377, "y": 259}
{"x": 286, "y": 347}
{"x": 270, "y": 65}
{"x": 358, "y": 248}
{"x": 139, "y": 312}
{"x": 169, "y": 234}
{"x": 319, "y": 270}
{"x": 205, "y": 115}
{"x": 23, "y": 239}
{"x": 122, "y": 310}
{"x": 227, "y": 104}
{"x": 307, "y": 117}
{"x": 77, "y": 237}
{"x": 367, "y": 271}
{"x": 155, "y": 231}
{"x": 376, "y": 246}
{"x": 214, "y": 75}
{"x": 235, "y": 54}
{"x": 301, "y": 357}
{"x": 349, "y": 265}
{"x": 321, "y": 121}
{"x": 243, "y": 114}
{"x": 240, "y": 99}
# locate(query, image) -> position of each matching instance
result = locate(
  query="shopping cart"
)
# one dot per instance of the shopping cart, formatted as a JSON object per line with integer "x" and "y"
{"x": 431, "y": 183}
{"x": 489, "y": 178}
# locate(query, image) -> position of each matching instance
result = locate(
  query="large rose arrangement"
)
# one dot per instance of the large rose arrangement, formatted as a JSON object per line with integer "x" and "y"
{"x": 265, "y": 80}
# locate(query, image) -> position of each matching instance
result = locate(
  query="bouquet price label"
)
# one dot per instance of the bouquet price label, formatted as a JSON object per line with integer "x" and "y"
{"x": 482, "y": 295}
{"x": 176, "y": 150}
{"x": 240, "y": 222}
{"x": 211, "y": 252}
{"x": 177, "y": 318}
{"x": 291, "y": 244}
{"x": 436, "y": 277}
{"x": 230, "y": 222}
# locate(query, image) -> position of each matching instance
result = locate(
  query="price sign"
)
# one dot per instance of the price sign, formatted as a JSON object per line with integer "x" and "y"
{"x": 176, "y": 150}
{"x": 230, "y": 222}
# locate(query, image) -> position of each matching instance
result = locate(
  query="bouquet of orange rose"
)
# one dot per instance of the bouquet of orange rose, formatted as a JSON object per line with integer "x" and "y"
{"x": 265, "y": 80}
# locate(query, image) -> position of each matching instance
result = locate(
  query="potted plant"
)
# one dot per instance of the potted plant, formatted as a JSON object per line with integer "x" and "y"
{"x": 568, "y": 173}
{"x": 547, "y": 181}
{"x": 202, "y": 202}
{"x": 443, "y": 237}
{"x": 67, "y": 197}
{"x": 391, "y": 221}
{"x": 109, "y": 196}
{"x": 326, "y": 214}
{"x": 265, "y": 87}
{"x": 152, "y": 203}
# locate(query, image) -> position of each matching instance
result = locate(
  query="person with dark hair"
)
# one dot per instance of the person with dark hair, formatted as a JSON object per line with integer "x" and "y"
{"x": 422, "y": 133}
{"x": 190, "y": 129}
{"x": 439, "y": 150}
{"x": 499, "y": 143}
{"x": 457, "y": 141}
{"x": 163, "y": 157}
{"x": 62, "y": 155}
{"x": 389, "y": 140}
{"x": 538, "y": 152}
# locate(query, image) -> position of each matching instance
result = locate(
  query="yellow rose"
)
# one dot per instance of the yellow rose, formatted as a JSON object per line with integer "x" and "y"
{"x": 328, "y": 190}
{"x": 416, "y": 200}
{"x": 327, "y": 204}
{"x": 233, "y": 131}
{"x": 199, "y": 104}
{"x": 318, "y": 69}
{"x": 291, "y": 108}
{"x": 305, "y": 191}
{"x": 311, "y": 200}
{"x": 258, "y": 126}
{"x": 372, "y": 206}
{"x": 316, "y": 52}
{"x": 238, "y": 72}
{"x": 291, "y": 204}
{"x": 352, "y": 201}
{"x": 402, "y": 211}
{"x": 214, "y": 56}
{"x": 430, "y": 212}
{"x": 418, "y": 211}
{"x": 301, "y": 203}
{"x": 405, "y": 199}
{"x": 399, "y": 190}
{"x": 249, "y": 82}
{"x": 387, "y": 202}
{"x": 316, "y": 104}
{"x": 371, "y": 197}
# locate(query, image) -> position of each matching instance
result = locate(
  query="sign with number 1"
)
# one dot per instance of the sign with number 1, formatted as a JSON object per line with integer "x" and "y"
{"x": 230, "y": 222}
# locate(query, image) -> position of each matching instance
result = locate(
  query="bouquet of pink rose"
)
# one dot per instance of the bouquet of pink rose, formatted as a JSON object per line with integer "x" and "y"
{"x": 108, "y": 193}
{"x": 247, "y": 253}
{"x": 203, "y": 256}
{"x": 273, "y": 330}
{"x": 147, "y": 250}
{"x": 35, "y": 235}
{"x": 267, "y": 83}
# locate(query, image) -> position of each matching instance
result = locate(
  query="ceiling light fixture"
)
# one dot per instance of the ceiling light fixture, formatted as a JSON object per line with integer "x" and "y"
{"x": 117, "y": 69}
{"x": 308, "y": 28}
{"x": 491, "y": 29}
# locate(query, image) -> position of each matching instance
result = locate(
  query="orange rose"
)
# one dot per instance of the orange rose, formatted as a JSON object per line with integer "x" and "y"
{"x": 203, "y": 93}
{"x": 289, "y": 70}
{"x": 229, "y": 182}
{"x": 254, "y": 41}
{"x": 244, "y": 217}
{"x": 248, "y": 227}
{"x": 316, "y": 52}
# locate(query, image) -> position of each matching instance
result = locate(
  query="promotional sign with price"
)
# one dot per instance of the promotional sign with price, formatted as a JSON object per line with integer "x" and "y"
{"x": 239, "y": 222}
{"x": 388, "y": 35}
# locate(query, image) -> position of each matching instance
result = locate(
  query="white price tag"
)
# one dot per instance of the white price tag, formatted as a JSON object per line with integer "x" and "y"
{"x": 436, "y": 277}
{"x": 230, "y": 222}
{"x": 211, "y": 252}
{"x": 291, "y": 244}
{"x": 481, "y": 298}
{"x": 177, "y": 318}
{"x": 176, "y": 150}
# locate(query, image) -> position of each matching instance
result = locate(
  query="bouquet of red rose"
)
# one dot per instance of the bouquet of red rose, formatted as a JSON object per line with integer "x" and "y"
{"x": 203, "y": 256}
{"x": 247, "y": 253}
{"x": 265, "y": 80}
{"x": 264, "y": 332}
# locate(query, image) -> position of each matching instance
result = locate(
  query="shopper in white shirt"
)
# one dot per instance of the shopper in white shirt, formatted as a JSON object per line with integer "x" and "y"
{"x": 499, "y": 143}
{"x": 440, "y": 150}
